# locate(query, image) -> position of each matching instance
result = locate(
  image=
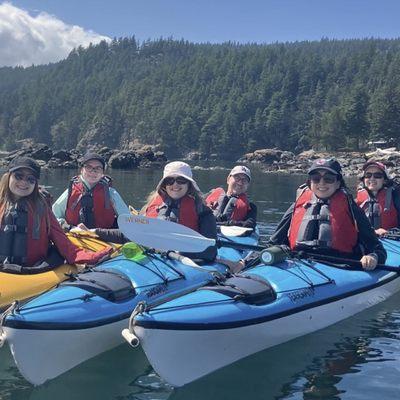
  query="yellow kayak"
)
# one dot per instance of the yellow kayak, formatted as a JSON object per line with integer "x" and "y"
{"x": 21, "y": 287}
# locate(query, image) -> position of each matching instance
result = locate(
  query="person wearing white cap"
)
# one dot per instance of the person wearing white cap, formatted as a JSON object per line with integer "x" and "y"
{"x": 233, "y": 206}
{"x": 379, "y": 197}
{"x": 90, "y": 201}
{"x": 177, "y": 198}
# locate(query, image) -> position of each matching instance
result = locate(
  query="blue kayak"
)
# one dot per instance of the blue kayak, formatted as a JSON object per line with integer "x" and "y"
{"x": 84, "y": 316}
{"x": 207, "y": 329}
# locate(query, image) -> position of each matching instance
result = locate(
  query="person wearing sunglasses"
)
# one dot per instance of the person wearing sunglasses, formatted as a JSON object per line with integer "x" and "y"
{"x": 233, "y": 206}
{"x": 379, "y": 197}
{"x": 90, "y": 201}
{"x": 29, "y": 229}
{"x": 177, "y": 198}
{"x": 325, "y": 219}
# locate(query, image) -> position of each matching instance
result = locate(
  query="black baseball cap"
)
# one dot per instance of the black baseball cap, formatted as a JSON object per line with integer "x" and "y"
{"x": 329, "y": 164}
{"x": 25, "y": 162}
{"x": 93, "y": 156}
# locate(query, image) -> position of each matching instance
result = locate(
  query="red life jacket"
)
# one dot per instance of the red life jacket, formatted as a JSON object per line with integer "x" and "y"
{"x": 188, "y": 215}
{"x": 24, "y": 234}
{"x": 380, "y": 211}
{"x": 92, "y": 207}
{"x": 336, "y": 226}
{"x": 241, "y": 208}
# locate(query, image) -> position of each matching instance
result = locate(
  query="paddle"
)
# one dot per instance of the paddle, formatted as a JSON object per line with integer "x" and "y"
{"x": 165, "y": 235}
{"x": 322, "y": 257}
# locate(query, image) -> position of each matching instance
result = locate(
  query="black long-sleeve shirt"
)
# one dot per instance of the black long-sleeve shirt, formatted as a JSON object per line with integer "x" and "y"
{"x": 368, "y": 241}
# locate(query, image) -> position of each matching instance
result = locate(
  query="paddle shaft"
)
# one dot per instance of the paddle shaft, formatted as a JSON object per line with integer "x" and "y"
{"x": 350, "y": 261}
{"x": 240, "y": 246}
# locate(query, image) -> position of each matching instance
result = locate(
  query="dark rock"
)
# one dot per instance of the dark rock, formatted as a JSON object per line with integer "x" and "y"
{"x": 123, "y": 160}
{"x": 62, "y": 155}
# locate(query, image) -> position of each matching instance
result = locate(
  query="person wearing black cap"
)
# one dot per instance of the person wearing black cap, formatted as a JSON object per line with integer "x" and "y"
{"x": 233, "y": 206}
{"x": 325, "y": 219}
{"x": 90, "y": 201}
{"x": 28, "y": 228}
{"x": 379, "y": 197}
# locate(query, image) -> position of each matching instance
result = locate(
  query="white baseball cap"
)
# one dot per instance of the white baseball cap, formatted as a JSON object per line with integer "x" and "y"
{"x": 240, "y": 169}
{"x": 178, "y": 168}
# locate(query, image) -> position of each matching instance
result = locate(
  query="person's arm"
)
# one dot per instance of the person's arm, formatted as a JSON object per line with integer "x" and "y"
{"x": 59, "y": 207}
{"x": 249, "y": 222}
{"x": 367, "y": 236}
{"x": 396, "y": 202}
{"x": 280, "y": 236}
{"x": 118, "y": 203}
{"x": 208, "y": 228}
{"x": 72, "y": 253}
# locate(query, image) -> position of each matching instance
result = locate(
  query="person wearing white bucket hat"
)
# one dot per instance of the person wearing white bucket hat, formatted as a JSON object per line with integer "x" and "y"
{"x": 177, "y": 198}
{"x": 233, "y": 206}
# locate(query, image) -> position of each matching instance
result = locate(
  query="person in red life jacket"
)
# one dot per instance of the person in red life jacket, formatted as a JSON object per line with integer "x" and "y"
{"x": 90, "y": 201}
{"x": 233, "y": 206}
{"x": 28, "y": 227}
{"x": 326, "y": 220}
{"x": 177, "y": 198}
{"x": 379, "y": 198}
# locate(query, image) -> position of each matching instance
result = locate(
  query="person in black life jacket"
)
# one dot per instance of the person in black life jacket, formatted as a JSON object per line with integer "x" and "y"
{"x": 177, "y": 198}
{"x": 90, "y": 201}
{"x": 233, "y": 206}
{"x": 379, "y": 197}
{"x": 28, "y": 228}
{"x": 326, "y": 220}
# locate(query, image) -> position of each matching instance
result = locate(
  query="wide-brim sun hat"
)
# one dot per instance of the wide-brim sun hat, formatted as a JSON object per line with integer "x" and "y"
{"x": 175, "y": 169}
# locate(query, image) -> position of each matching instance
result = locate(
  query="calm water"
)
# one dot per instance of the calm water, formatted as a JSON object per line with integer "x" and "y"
{"x": 356, "y": 359}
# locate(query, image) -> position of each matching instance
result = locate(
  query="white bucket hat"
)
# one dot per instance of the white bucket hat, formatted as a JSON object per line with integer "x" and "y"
{"x": 175, "y": 169}
{"x": 240, "y": 169}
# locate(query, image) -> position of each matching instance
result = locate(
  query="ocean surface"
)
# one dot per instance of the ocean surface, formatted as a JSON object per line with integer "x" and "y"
{"x": 358, "y": 358}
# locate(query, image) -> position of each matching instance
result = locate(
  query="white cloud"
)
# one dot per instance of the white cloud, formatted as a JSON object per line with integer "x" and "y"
{"x": 27, "y": 40}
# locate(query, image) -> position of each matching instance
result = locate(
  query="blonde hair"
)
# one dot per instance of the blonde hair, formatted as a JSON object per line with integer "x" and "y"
{"x": 35, "y": 201}
{"x": 192, "y": 192}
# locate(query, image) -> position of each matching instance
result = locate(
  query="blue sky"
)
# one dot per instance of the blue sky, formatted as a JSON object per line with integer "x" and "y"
{"x": 43, "y": 31}
{"x": 222, "y": 20}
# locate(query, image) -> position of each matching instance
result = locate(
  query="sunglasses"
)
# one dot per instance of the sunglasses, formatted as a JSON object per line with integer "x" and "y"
{"x": 328, "y": 178}
{"x": 179, "y": 180}
{"x": 243, "y": 179}
{"x": 376, "y": 175}
{"x": 27, "y": 178}
{"x": 97, "y": 170}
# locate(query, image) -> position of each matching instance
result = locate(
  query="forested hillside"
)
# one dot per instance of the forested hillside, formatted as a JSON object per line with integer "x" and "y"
{"x": 226, "y": 99}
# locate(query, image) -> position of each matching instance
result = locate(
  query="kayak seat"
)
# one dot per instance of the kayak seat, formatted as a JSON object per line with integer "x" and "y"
{"x": 246, "y": 288}
{"x": 110, "y": 285}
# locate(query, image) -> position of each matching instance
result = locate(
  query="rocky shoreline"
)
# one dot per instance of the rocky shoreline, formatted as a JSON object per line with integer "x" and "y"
{"x": 140, "y": 157}
{"x": 147, "y": 156}
{"x": 274, "y": 160}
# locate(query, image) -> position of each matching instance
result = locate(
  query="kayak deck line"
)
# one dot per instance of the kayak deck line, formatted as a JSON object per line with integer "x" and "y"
{"x": 152, "y": 324}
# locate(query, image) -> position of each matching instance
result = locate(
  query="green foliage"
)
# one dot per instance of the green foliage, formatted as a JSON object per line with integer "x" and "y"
{"x": 226, "y": 99}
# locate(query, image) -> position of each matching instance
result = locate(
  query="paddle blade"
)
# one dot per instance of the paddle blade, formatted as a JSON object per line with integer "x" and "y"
{"x": 162, "y": 235}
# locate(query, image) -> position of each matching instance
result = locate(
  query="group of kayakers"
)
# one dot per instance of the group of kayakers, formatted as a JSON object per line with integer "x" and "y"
{"x": 324, "y": 217}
